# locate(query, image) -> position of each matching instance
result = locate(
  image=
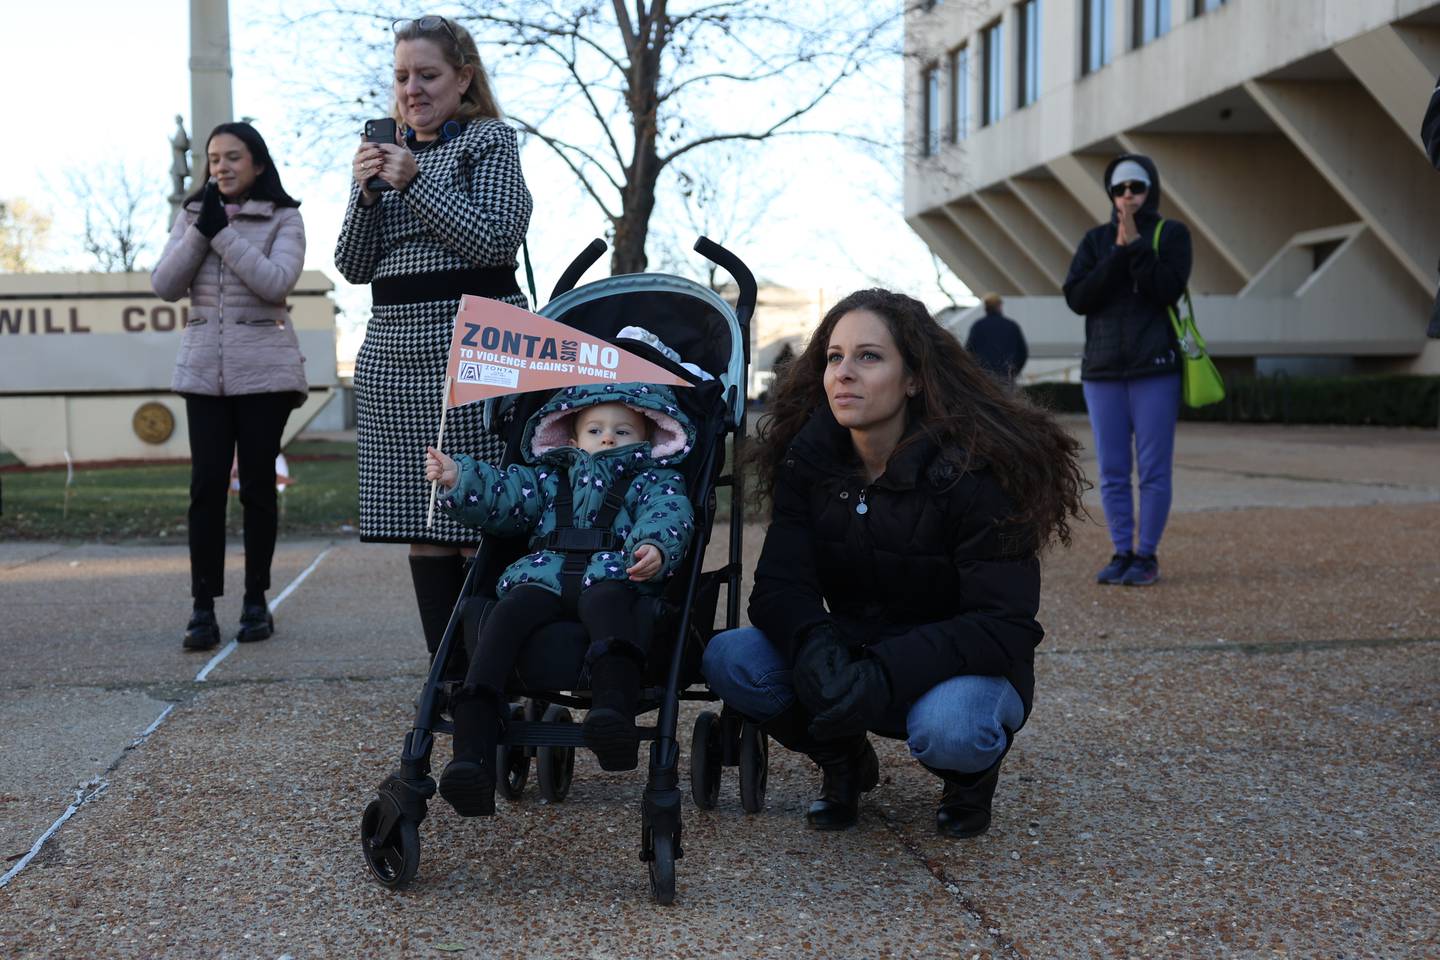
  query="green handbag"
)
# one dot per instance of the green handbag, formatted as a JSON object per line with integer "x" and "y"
{"x": 1202, "y": 383}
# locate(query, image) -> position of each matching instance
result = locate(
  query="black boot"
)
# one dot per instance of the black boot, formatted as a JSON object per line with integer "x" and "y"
{"x": 256, "y": 622}
{"x": 202, "y": 632}
{"x": 437, "y": 586}
{"x": 849, "y": 768}
{"x": 468, "y": 782}
{"x": 609, "y": 726}
{"x": 965, "y": 804}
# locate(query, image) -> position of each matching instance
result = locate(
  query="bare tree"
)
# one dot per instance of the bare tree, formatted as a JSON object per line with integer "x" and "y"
{"x": 24, "y": 232}
{"x": 623, "y": 93}
{"x": 122, "y": 213}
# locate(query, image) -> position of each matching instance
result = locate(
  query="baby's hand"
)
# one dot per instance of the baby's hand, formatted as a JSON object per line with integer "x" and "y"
{"x": 647, "y": 563}
{"x": 440, "y": 467}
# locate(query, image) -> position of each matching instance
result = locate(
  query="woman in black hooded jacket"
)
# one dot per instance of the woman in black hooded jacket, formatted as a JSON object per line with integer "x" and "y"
{"x": 899, "y": 581}
{"x": 1125, "y": 279}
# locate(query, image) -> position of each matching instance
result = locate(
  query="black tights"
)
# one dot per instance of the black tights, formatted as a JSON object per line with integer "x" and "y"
{"x": 607, "y": 609}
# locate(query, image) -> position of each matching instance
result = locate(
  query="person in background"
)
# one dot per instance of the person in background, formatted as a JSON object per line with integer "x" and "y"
{"x": 451, "y": 225}
{"x": 997, "y": 342}
{"x": 1124, "y": 280}
{"x": 236, "y": 251}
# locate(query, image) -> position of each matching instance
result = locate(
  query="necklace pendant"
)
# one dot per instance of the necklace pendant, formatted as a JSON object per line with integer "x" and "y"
{"x": 861, "y": 508}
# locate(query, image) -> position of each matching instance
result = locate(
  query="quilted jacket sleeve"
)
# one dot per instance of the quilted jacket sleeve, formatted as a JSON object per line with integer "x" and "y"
{"x": 998, "y": 601}
{"x": 272, "y": 277}
{"x": 504, "y": 503}
{"x": 357, "y": 249}
{"x": 184, "y": 252}
{"x": 485, "y": 221}
{"x": 664, "y": 517}
{"x": 1092, "y": 272}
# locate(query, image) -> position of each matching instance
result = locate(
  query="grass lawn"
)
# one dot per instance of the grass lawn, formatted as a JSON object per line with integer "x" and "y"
{"x": 149, "y": 502}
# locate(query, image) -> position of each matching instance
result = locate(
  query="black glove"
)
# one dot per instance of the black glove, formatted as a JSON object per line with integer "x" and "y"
{"x": 823, "y": 655}
{"x": 212, "y": 212}
{"x": 862, "y": 697}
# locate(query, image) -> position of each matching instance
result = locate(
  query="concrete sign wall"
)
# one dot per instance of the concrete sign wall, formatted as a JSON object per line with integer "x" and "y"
{"x": 86, "y": 359}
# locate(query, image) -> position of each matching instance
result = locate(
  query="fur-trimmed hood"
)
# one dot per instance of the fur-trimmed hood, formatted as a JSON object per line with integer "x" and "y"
{"x": 550, "y": 428}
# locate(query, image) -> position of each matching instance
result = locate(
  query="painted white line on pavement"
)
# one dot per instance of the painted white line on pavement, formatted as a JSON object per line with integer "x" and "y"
{"x": 229, "y": 648}
{"x": 225, "y": 651}
{"x": 98, "y": 785}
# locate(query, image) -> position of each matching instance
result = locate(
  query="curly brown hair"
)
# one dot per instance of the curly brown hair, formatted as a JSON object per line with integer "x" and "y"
{"x": 966, "y": 410}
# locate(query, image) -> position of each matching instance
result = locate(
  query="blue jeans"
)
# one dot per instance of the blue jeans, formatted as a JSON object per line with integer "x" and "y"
{"x": 963, "y": 723}
{"x": 1143, "y": 411}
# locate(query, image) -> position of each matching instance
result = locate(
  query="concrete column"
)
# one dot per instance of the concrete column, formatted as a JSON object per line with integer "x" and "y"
{"x": 1366, "y": 159}
{"x": 1389, "y": 65}
{"x": 1054, "y": 207}
{"x": 210, "y": 73}
{"x": 968, "y": 262}
{"x": 1008, "y": 257}
{"x": 1027, "y": 233}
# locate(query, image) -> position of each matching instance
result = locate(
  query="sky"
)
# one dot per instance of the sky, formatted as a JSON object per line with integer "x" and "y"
{"x": 126, "y": 77}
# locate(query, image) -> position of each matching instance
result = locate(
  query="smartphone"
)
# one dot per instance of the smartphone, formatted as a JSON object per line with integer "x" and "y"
{"x": 379, "y": 131}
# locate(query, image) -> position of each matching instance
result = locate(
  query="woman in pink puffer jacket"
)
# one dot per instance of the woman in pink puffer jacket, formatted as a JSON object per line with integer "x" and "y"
{"x": 236, "y": 250}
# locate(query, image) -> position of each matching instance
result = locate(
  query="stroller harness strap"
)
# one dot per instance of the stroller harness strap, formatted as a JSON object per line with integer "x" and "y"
{"x": 578, "y": 544}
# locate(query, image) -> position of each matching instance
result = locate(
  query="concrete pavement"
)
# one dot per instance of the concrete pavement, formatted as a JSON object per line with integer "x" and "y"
{"x": 1241, "y": 761}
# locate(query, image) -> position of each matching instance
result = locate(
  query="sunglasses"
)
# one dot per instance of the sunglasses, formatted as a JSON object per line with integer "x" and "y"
{"x": 1137, "y": 188}
{"x": 423, "y": 25}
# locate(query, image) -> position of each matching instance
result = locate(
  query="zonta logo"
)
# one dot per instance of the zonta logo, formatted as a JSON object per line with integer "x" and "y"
{"x": 537, "y": 347}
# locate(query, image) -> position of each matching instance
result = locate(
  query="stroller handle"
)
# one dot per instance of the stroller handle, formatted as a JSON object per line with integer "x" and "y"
{"x": 744, "y": 279}
{"x": 579, "y": 265}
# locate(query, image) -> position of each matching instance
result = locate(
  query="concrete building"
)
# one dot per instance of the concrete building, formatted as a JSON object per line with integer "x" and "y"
{"x": 1287, "y": 137}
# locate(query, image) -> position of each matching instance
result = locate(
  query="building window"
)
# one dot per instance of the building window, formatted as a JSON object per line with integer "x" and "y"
{"x": 994, "y": 66}
{"x": 959, "y": 94}
{"x": 932, "y": 111}
{"x": 1098, "y": 33}
{"x": 1152, "y": 20}
{"x": 1029, "y": 52}
{"x": 1205, "y": 6}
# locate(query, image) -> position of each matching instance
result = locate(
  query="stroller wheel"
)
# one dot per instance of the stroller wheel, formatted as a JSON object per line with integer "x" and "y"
{"x": 512, "y": 764}
{"x": 555, "y": 766}
{"x": 754, "y": 767}
{"x": 662, "y": 868}
{"x": 390, "y": 843}
{"x": 706, "y": 754}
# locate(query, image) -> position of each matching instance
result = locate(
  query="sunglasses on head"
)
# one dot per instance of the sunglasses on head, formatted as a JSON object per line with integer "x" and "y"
{"x": 423, "y": 25}
{"x": 1137, "y": 188}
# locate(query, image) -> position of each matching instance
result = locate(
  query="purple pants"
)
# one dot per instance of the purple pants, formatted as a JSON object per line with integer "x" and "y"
{"x": 1145, "y": 410}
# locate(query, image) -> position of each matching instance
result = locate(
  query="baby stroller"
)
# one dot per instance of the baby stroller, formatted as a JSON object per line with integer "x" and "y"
{"x": 704, "y": 330}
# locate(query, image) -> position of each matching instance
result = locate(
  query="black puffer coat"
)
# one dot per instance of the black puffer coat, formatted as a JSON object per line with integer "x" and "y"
{"x": 1123, "y": 292}
{"x": 929, "y": 578}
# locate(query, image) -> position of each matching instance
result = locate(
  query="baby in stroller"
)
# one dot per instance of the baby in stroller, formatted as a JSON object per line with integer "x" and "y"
{"x": 600, "y": 484}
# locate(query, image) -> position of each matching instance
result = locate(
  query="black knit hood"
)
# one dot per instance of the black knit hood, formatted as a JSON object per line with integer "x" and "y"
{"x": 1151, "y": 207}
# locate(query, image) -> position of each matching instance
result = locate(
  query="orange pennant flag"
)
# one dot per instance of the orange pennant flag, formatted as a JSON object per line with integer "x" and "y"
{"x": 498, "y": 349}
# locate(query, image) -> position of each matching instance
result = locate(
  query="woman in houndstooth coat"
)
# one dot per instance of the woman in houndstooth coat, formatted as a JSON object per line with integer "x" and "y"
{"x": 450, "y": 224}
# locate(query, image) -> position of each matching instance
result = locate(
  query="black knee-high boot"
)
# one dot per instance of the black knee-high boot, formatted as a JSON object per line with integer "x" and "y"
{"x": 468, "y": 781}
{"x": 437, "y": 586}
{"x": 848, "y": 767}
{"x": 609, "y": 726}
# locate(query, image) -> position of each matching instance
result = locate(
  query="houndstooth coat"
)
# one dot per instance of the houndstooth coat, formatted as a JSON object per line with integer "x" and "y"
{"x": 467, "y": 207}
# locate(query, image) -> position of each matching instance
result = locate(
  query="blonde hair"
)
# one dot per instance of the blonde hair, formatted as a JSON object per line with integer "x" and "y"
{"x": 992, "y": 301}
{"x": 459, "y": 50}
